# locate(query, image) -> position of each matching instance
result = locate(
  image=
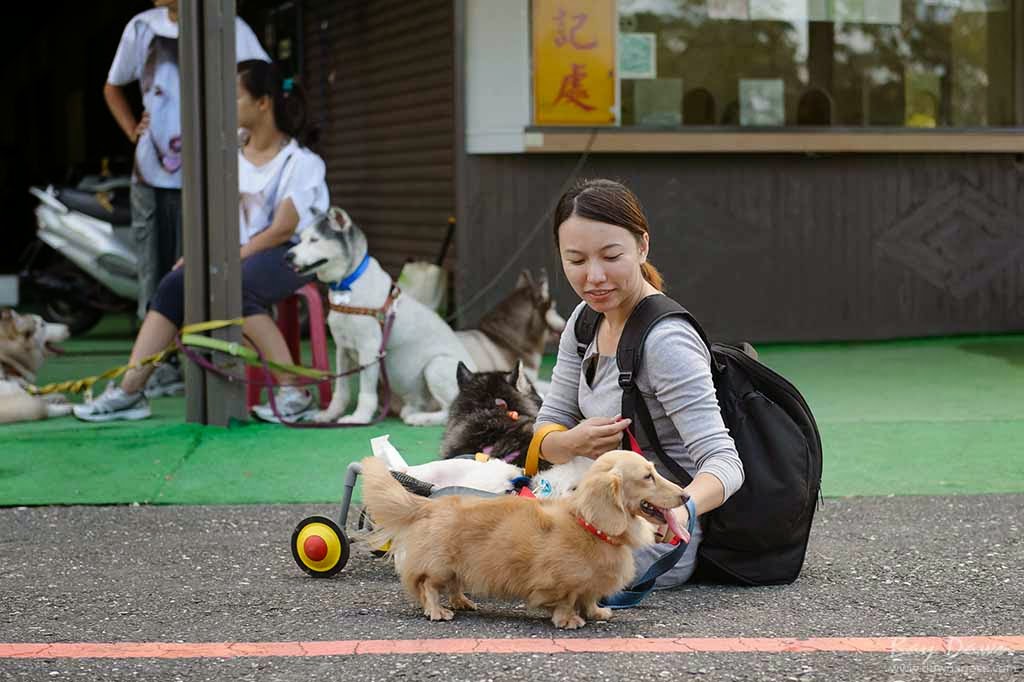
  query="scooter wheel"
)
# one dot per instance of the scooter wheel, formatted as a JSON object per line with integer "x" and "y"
{"x": 320, "y": 547}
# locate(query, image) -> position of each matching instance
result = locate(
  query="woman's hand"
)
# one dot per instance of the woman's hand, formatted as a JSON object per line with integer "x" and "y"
{"x": 595, "y": 436}
{"x": 140, "y": 127}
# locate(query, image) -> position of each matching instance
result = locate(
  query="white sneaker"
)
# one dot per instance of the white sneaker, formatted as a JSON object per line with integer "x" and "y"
{"x": 114, "y": 405}
{"x": 292, "y": 405}
{"x": 165, "y": 380}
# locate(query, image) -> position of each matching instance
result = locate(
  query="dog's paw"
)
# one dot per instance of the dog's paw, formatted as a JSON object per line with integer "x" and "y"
{"x": 355, "y": 418}
{"x": 439, "y": 613}
{"x": 599, "y": 613}
{"x": 425, "y": 418}
{"x": 326, "y": 416}
{"x": 58, "y": 409}
{"x": 461, "y": 602}
{"x": 568, "y": 621}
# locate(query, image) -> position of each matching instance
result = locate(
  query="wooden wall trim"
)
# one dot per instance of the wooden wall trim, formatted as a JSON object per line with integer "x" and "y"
{"x": 1017, "y": 35}
{"x": 546, "y": 140}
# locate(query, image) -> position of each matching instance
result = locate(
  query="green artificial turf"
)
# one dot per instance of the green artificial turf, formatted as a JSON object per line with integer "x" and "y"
{"x": 932, "y": 416}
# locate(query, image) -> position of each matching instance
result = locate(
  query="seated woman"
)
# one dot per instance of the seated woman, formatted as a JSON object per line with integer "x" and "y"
{"x": 281, "y": 183}
{"x": 603, "y": 239}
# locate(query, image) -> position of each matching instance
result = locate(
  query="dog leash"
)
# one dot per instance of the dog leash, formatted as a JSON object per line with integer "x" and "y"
{"x": 255, "y": 357}
{"x": 631, "y": 596}
{"x": 86, "y": 383}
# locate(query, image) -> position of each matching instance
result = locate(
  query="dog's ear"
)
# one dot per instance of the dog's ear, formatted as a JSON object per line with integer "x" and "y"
{"x": 340, "y": 220}
{"x": 523, "y": 383}
{"x": 542, "y": 285}
{"x": 525, "y": 279}
{"x": 599, "y": 500}
{"x": 513, "y": 376}
{"x": 462, "y": 375}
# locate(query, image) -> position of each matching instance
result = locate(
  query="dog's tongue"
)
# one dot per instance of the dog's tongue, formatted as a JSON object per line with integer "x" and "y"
{"x": 53, "y": 348}
{"x": 673, "y": 525}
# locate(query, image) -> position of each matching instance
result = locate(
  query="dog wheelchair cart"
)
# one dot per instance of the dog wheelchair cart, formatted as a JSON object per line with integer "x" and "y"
{"x": 320, "y": 546}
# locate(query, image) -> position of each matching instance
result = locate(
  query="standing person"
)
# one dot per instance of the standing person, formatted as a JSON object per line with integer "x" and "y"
{"x": 602, "y": 236}
{"x": 148, "y": 53}
{"x": 282, "y": 186}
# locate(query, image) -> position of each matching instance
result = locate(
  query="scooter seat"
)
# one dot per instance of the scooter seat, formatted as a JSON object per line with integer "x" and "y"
{"x": 86, "y": 202}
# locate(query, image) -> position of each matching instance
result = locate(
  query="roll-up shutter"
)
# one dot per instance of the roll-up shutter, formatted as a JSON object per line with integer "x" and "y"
{"x": 379, "y": 75}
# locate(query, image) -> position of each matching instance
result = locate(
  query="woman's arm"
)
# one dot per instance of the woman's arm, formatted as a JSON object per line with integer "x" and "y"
{"x": 585, "y": 437}
{"x": 122, "y": 112}
{"x": 281, "y": 229}
{"x": 677, "y": 365}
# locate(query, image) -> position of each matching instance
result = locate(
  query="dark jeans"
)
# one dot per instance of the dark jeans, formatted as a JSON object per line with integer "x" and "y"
{"x": 266, "y": 279}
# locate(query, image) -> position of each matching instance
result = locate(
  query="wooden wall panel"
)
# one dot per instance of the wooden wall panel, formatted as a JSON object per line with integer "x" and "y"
{"x": 379, "y": 74}
{"x": 782, "y": 247}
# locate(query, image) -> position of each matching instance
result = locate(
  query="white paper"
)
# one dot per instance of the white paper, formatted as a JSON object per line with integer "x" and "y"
{"x": 382, "y": 448}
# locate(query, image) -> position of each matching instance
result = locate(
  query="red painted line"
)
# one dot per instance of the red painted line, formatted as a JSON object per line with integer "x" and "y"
{"x": 886, "y": 645}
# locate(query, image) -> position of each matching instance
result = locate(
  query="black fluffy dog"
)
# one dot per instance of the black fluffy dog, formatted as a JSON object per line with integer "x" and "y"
{"x": 494, "y": 412}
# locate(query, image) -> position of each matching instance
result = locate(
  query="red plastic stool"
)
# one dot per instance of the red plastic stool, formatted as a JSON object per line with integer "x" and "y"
{"x": 288, "y": 323}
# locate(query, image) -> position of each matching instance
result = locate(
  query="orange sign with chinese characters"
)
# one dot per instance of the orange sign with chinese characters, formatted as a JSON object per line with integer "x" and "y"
{"x": 573, "y": 62}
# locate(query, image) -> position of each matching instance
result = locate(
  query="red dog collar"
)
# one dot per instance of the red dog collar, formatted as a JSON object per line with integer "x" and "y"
{"x": 596, "y": 531}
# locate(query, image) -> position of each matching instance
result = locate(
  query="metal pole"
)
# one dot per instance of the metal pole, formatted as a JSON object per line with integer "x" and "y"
{"x": 209, "y": 119}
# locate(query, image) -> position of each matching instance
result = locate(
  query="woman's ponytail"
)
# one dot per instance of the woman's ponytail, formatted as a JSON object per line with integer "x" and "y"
{"x": 263, "y": 79}
{"x": 652, "y": 275}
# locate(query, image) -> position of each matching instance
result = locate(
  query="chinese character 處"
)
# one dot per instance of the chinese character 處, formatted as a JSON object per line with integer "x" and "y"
{"x": 572, "y": 89}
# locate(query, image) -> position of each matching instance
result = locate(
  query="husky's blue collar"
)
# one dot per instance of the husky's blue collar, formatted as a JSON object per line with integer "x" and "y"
{"x": 346, "y": 284}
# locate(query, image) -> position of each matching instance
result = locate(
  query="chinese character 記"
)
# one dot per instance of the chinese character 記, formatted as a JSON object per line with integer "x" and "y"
{"x": 562, "y": 37}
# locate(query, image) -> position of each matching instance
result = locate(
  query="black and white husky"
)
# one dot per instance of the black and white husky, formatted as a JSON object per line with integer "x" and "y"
{"x": 422, "y": 351}
{"x": 516, "y": 330}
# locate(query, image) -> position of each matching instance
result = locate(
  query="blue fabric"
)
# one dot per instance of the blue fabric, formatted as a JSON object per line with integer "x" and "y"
{"x": 632, "y": 595}
{"x": 346, "y": 284}
{"x": 266, "y": 279}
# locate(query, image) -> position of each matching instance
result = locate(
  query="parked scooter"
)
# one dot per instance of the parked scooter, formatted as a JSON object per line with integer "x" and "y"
{"x": 89, "y": 267}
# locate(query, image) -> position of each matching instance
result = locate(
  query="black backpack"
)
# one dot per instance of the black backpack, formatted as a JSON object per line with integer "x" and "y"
{"x": 759, "y": 536}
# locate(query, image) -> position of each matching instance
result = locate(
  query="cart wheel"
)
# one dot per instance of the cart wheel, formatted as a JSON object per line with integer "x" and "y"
{"x": 319, "y": 546}
{"x": 365, "y": 523}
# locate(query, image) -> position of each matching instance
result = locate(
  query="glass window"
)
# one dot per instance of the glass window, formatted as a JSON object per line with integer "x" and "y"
{"x": 850, "y": 63}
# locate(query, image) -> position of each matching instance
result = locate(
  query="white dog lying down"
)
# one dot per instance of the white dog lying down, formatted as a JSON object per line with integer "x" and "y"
{"x": 25, "y": 341}
{"x": 493, "y": 475}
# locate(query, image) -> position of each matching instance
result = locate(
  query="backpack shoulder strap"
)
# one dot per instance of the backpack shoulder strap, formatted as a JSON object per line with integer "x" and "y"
{"x": 628, "y": 356}
{"x": 645, "y": 315}
{"x": 585, "y": 328}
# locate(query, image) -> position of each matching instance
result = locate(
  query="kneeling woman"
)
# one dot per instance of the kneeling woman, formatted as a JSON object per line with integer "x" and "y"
{"x": 280, "y": 185}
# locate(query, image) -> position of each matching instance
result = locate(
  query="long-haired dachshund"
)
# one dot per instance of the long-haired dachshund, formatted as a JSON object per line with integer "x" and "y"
{"x": 560, "y": 554}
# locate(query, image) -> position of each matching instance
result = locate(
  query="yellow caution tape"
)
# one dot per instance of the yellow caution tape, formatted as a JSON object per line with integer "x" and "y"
{"x": 190, "y": 336}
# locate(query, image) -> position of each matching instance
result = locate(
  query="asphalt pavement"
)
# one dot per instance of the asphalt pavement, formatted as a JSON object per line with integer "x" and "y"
{"x": 881, "y": 567}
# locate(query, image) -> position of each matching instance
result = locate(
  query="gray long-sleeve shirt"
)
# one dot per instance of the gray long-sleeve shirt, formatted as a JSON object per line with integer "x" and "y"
{"x": 675, "y": 382}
